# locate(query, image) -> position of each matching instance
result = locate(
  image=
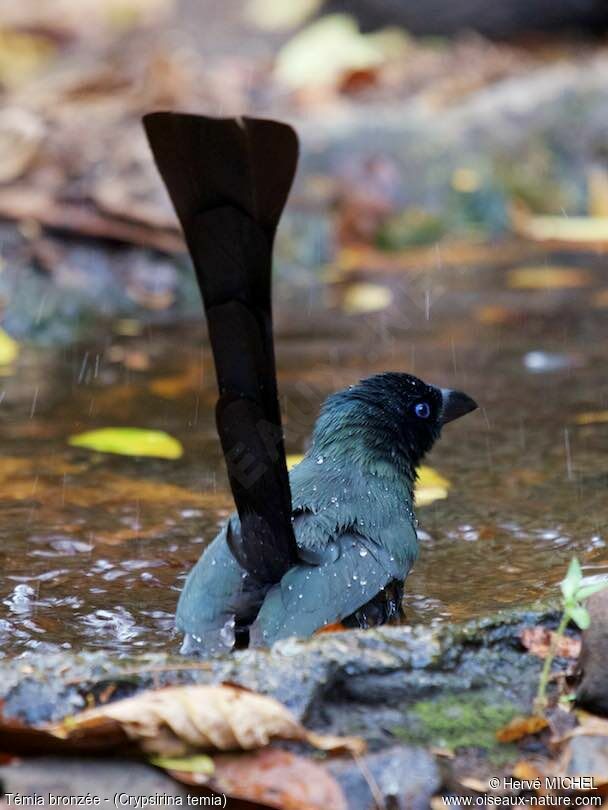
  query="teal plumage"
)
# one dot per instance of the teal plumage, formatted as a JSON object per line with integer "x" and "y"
{"x": 353, "y": 520}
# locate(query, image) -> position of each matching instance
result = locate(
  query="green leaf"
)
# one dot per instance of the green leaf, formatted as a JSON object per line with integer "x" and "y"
{"x": 127, "y": 441}
{"x": 195, "y": 764}
{"x": 585, "y": 591}
{"x": 573, "y": 578}
{"x": 580, "y": 616}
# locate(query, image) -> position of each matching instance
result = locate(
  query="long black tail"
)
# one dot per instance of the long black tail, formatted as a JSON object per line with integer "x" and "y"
{"x": 229, "y": 180}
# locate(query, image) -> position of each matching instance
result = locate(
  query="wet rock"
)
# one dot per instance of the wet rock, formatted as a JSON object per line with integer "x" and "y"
{"x": 33, "y": 702}
{"x": 593, "y": 689}
{"x": 587, "y": 755}
{"x": 54, "y": 776}
{"x": 329, "y": 679}
{"x": 398, "y": 778}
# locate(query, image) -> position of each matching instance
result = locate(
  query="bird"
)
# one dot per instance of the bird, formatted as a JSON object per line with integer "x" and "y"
{"x": 332, "y": 541}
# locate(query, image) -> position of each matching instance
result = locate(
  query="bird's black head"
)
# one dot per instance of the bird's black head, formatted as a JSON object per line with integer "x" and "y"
{"x": 388, "y": 418}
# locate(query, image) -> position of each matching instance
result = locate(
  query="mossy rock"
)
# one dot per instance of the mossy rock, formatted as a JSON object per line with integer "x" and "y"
{"x": 458, "y": 721}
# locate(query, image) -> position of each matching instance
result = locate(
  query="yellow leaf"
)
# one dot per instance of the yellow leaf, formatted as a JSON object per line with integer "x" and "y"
{"x": 465, "y": 180}
{"x": 126, "y": 441}
{"x": 598, "y": 192}
{"x": 22, "y": 55}
{"x": 331, "y": 47}
{"x": 128, "y": 327}
{"x": 547, "y": 277}
{"x": 431, "y": 486}
{"x": 9, "y": 349}
{"x": 272, "y": 16}
{"x": 293, "y": 459}
{"x": 592, "y": 418}
{"x": 196, "y": 764}
{"x": 365, "y": 297}
{"x": 574, "y": 230}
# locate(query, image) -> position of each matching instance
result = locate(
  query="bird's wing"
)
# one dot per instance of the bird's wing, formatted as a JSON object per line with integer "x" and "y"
{"x": 229, "y": 180}
{"x": 312, "y": 596}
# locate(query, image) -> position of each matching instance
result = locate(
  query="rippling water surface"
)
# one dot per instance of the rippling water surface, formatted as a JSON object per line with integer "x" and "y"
{"x": 95, "y": 547}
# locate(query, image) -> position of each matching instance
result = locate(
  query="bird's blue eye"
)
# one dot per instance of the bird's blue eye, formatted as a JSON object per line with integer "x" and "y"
{"x": 422, "y": 410}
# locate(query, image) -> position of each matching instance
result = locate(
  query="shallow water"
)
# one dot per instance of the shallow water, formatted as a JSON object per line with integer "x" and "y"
{"x": 95, "y": 546}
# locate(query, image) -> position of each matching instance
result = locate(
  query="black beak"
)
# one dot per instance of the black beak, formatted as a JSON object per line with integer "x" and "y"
{"x": 455, "y": 405}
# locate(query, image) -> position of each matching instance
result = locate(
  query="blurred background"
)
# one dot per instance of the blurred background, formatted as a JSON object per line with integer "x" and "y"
{"x": 449, "y": 218}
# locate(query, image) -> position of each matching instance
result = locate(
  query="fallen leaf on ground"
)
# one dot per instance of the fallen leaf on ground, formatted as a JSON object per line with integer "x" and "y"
{"x": 180, "y": 720}
{"x": 338, "y": 627}
{"x": 362, "y": 258}
{"x": 128, "y": 327}
{"x": 521, "y": 727}
{"x": 21, "y": 133}
{"x": 579, "y": 231}
{"x": 591, "y": 418}
{"x": 272, "y": 16}
{"x": 597, "y": 186}
{"x": 547, "y": 277}
{"x": 363, "y": 297}
{"x": 293, "y": 459}
{"x": 199, "y": 764}
{"x": 538, "y": 641}
{"x": 269, "y": 777}
{"x": 494, "y": 315}
{"x": 174, "y": 387}
{"x": 22, "y": 55}
{"x": 9, "y": 348}
{"x": 430, "y": 486}
{"x": 466, "y": 180}
{"x": 86, "y": 18}
{"x": 524, "y": 769}
{"x": 331, "y": 47}
{"x": 474, "y": 784}
{"x": 127, "y": 441}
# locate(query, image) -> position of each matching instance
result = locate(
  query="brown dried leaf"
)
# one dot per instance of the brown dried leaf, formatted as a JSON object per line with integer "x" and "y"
{"x": 180, "y": 720}
{"x": 521, "y": 727}
{"x": 528, "y": 770}
{"x": 538, "y": 641}
{"x": 21, "y": 133}
{"x": 273, "y": 778}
